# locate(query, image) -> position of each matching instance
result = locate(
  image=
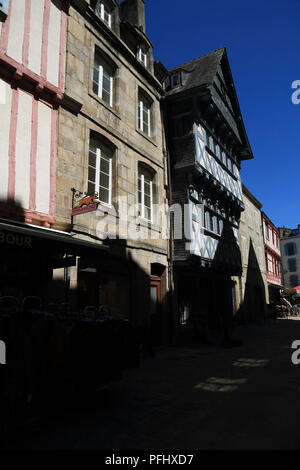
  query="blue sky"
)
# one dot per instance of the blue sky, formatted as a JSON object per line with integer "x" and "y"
{"x": 263, "y": 45}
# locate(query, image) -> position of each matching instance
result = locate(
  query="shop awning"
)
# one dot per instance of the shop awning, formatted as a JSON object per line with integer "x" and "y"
{"x": 47, "y": 233}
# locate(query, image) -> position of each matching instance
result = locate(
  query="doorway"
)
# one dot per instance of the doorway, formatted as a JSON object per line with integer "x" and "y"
{"x": 155, "y": 310}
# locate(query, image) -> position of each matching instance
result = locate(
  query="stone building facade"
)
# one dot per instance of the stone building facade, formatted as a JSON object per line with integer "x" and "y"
{"x": 251, "y": 289}
{"x": 111, "y": 144}
{"x": 290, "y": 256}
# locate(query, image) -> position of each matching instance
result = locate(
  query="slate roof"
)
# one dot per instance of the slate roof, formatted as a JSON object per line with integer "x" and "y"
{"x": 200, "y": 71}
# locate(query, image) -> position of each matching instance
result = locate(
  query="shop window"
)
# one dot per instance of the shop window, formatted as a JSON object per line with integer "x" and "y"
{"x": 103, "y": 78}
{"x": 145, "y": 192}
{"x": 100, "y": 170}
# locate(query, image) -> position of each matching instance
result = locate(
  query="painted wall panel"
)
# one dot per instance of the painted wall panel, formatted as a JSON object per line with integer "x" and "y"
{"x": 5, "y": 111}
{"x": 54, "y": 43}
{"x": 211, "y": 165}
{"x": 23, "y": 146}
{"x": 43, "y": 159}
{"x": 16, "y": 30}
{"x": 36, "y": 34}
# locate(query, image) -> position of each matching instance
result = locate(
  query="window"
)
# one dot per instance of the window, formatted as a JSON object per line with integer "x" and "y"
{"x": 176, "y": 80}
{"x": 145, "y": 193}
{"x": 103, "y": 79}
{"x": 104, "y": 12}
{"x": 211, "y": 143}
{"x": 229, "y": 164}
{"x": 142, "y": 55}
{"x": 144, "y": 115}
{"x": 100, "y": 170}
{"x": 294, "y": 280}
{"x": 224, "y": 158}
{"x": 212, "y": 222}
{"x": 290, "y": 249}
{"x": 292, "y": 263}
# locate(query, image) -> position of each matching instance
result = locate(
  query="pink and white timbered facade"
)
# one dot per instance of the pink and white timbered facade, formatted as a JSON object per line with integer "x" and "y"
{"x": 32, "y": 73}
{"x": 272, "y": 252}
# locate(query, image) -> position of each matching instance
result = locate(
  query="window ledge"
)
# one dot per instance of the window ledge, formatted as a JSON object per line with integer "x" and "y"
{"x": 106, "y": 210}
{"x": 146, "y": 137}
{"x": 212, "y": 234}
{"x": 100, "y": 101}
{"x": 148, "y": 224}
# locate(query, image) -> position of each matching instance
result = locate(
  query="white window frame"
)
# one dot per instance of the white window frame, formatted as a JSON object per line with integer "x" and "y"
{"x": 97, "y": 177}
{"x": 142, "y": 55}
{"x": 103, "y": 10}
{"x": 100, "y": 82}
{"x": 143, "y": 104}
{"x": 142, "y": 203}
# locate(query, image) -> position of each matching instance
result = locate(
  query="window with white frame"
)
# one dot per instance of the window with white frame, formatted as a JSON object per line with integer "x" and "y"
{"x": 104, "y": 12}
{"x": 212, "y": 222}
{"x": 142, "y": 55}
{"x": 145, "y": 193}
{"x": 100, "y": 170}
{"x": 144, "y": 115}
{"x": 103, "y": 79}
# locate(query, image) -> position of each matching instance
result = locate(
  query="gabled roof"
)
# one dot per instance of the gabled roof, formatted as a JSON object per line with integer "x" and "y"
{"x": 202, "y": 73}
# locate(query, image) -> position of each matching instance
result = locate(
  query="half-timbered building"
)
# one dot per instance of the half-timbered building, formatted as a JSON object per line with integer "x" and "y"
{"x": 207, "y": 143}
{"x": 32, "y": 69}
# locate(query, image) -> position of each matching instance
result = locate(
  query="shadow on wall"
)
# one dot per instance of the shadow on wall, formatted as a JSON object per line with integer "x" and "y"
{"x": 227, "y": 261}
{"x": 68, "y": 277}
{"x": 11, "y": 209}
{"x": 253, "y": 305}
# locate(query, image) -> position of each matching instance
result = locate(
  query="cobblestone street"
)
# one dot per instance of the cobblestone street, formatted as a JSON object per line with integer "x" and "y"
{"x": 191, "y": 397}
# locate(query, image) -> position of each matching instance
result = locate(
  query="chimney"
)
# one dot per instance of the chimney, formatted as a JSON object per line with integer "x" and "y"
{"x": 133, "y": 11}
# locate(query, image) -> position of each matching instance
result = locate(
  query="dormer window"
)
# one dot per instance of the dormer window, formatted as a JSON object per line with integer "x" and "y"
{"x": 176, "y": 79}
{"x": 142, "y": 55}
{"x": 104, "y": 12}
